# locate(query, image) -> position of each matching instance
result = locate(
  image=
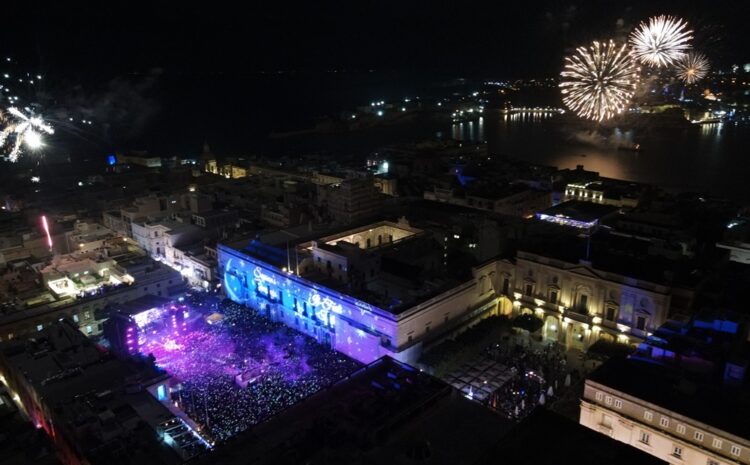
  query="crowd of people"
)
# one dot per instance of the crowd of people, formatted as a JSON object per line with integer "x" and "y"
{"x": 287, "y": 367}
{"x": 540, "y": 375}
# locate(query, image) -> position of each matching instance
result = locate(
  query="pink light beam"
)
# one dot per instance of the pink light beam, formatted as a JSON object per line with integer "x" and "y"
{"x": 46, "y": 230}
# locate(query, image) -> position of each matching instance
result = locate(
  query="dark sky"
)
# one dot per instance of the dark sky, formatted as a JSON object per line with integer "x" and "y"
{"x": 512, "y": 38}
{"x": 150, "y": 75}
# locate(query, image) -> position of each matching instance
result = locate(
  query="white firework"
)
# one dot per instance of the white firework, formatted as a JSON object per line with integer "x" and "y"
{"x": 598, "y": 81}
{"x": 28, "y": 131}
{"x": 662, "y": 41}
{"x": 692, "y": 67}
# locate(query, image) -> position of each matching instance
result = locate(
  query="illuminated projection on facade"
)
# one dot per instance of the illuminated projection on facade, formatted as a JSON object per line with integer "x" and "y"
{"x": 350, "y": 326}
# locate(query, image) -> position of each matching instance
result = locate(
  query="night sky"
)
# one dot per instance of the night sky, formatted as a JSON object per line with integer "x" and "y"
{"x": 513, "y": 38}
{"x": 129, "y": 65}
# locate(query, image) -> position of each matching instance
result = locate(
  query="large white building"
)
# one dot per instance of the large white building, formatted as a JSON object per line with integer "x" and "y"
{"x": 580, "y": 303}
{"x": 81, "y": 287}
{"x": 657, "y": 410}
{"x": 606, "y": 287}
{"x": 368, "y": 292}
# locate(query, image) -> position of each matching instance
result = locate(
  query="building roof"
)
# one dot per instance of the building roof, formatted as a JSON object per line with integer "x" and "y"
{"x": 387, "y": 412}
{"x": 627, "y": 256}
{"x": 79, "y": 383}
{"x": 703, "y": 399}
{"x": 546, "y": 438}
{"x": 585, "y": 212}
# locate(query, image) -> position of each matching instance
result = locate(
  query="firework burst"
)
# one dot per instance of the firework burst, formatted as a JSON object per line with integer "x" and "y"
{"x": 662, "y": 41}
{"x": 27, "y": 130}
{"x": 692, "y": 67}
{"x": 598, "y": 81}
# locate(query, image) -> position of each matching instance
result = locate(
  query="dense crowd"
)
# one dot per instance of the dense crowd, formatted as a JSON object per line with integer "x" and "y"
{"x": 539, "y": 376}
{"x": 291, "y": 367}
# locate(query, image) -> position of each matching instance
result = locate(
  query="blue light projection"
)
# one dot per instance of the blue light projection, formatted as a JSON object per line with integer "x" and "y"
{"x": 352, "y": 327}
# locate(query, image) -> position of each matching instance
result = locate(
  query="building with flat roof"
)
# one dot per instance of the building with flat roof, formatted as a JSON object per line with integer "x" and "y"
{"x": 577, "y": 214}
{"x": 93, "y": 406}
{"x": 379, "y": 289}
{"x": 562, "y": 440}
{"x": 389, "y": 412}
{"x": 603, "y": 286}
{"x": 81, "y": 287}
{"x": 669, "y": 413}
{"x": 351, "y": 200}
{"x": 385, "y": 412}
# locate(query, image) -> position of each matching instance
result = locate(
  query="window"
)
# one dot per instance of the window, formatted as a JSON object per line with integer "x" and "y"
{"x": 86, "y": 315}
{"x": 736, "y": 451}
{"x": 648, "y": 416}
{"x": 553, "y": 297}
{"x": 610, "y": 314}
{"x": 529, "y": 289}
{"x": 506, "y": 286}
{"x": 599, "y": 396}
{"x": 618, "y": 403}
{"x": 717, "y": 443}
{"x": 712, "y": 462}
{"x": 89, "y": 329}
{"x": 698, "y": 436}
{"x": 640, "y": 323}
{"x": 681, "y": 429}
{"x": 608, "y": 400}
{"x": 664, "y": 421}
{"x": 606, "y": 421}
{"x": 677, "y": 451}
{"x": 644, "y": 437}
{"x": 39, "y": 327}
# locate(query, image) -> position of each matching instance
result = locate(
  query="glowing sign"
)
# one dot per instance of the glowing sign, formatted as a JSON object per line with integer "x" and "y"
{"x": 325, "y": 304}
{"x": 263, "y": 277}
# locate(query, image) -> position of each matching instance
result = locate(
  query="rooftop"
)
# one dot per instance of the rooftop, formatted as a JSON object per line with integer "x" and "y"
{"x": 80, "y": 383}
{"x": 562, "y": 439}
{"x": 721, "y": 406}
{"x": 387, "y": 412}
{"x": 585, "y": 212}
{"x": 623, "y": 255}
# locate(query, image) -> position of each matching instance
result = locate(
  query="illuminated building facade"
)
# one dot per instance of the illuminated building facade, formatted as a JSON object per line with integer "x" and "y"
{"x": 337, "y": 290}
{"x": 580, "y": 304}
{"x": 648, "y": 406}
